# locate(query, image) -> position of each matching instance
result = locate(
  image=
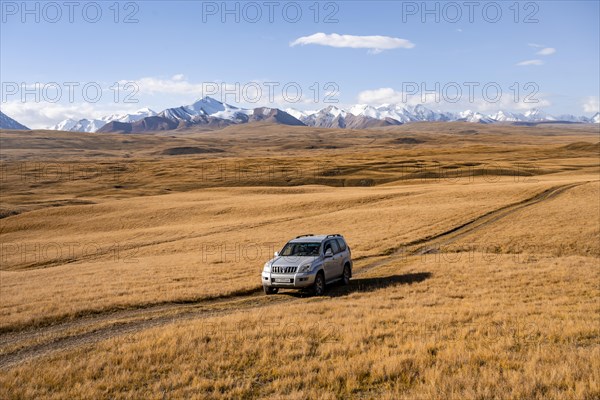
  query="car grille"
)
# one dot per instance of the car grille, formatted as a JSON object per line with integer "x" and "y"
{"x": 284, "y": 270}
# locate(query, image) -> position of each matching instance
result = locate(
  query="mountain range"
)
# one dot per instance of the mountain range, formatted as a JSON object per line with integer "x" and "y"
{"x": 212, "y": 113}
{"x": 93, "y": 125}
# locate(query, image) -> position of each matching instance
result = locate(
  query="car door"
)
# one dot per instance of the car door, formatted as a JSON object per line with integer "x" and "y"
{"x": 329, "y": 263}
{"x": 337, "y": 259}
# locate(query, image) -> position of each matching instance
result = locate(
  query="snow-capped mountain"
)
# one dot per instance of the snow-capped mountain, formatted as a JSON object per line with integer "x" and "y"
{"x": 298, "y": 114}
{"x": 136, "y": 116}
{"x": 7, "y": 122}
{"x": 537, "y": 115}
{"x": 206, "y": 107}
{"x": 65, "y": 125}
{"x": 595, "y": 119}
{"x": 360, "y": 117}
{"x": 396, "y": 112}
{"x": 93, "y": 125}
{"x": 274, "y": 115}
{"x": 83, "y": 125}
{"x": 215, "y": 114}
{"x": 206, "y": 112}
{"x": 474, "y": 116}
{"x": 365, "y": 111}
{"x": 400, "y": 113}
{"x": 573, "y": 118}
{"x": 507, "y": 116}
{"x": 424, "y": 114}
{"x": 391, "y": 114}
{"x": 330, "y": 117}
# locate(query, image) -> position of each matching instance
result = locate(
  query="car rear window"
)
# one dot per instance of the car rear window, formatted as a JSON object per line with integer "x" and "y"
{"x": 334, "y": 246}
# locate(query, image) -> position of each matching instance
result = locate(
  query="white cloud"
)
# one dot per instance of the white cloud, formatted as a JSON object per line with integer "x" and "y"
{"x": 530, "y": 62}
{"x": 381, "y": 96}
{"x": 508, "y": 103}
{"x": 591, "y": 104}
{"x": 546, "y": 51}
{"x": 41, "y": 115}
{"x": 149, "y": 91}
{"x": 159, "y": 93}
{"x": 177, "y": 85}
{"x": 254, "y": 93}
{"x": 179, "y": 88}
{"x": 377, "y": 97}
{"x": 375, "y": 44}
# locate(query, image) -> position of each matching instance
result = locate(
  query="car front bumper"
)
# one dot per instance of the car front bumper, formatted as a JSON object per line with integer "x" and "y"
{"x": 298, "y": 280}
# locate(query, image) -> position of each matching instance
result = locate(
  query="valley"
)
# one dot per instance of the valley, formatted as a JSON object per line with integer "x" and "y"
{"x": 131, "y": 262}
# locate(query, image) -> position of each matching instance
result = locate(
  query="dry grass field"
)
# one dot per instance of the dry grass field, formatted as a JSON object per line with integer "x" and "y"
{"x": 130, "y": 264}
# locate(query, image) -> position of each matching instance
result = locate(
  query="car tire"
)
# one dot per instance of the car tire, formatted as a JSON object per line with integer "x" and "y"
{"x": 270, "y": 290}
{"x": 318, "y": 288}
{"x": 346, "y": 275}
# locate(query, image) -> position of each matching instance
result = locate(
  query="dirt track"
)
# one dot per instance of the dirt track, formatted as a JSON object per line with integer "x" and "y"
{"x": 18, "y": 347}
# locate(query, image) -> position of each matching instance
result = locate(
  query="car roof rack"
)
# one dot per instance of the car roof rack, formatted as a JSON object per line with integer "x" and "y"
{"x": 308, "y": 234}
{"x": 334, "y": 235}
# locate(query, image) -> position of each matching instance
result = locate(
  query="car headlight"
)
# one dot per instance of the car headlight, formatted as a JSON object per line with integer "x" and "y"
{"x": 267, "y": 267}
{"x": 305, "y": 268}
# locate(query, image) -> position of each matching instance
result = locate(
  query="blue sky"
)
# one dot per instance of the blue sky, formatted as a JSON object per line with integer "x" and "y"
{"x": 176, "y": 46}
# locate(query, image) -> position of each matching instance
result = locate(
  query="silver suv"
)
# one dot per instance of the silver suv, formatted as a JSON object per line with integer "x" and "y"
{"x": 309, "y": 262}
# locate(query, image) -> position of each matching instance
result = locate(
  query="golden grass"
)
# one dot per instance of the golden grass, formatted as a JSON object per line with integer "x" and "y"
{"x": 470, "y": 330}
{"x": 566, "y": 225}
{"x": 67, "y": 261}
{"x": 506, "y": 310}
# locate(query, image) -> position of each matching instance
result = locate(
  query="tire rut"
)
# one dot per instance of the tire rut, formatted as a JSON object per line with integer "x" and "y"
{"x": 434, "y": 242}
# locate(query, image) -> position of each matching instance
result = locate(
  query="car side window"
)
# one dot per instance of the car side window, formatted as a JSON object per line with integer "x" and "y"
{"x": 334, "y": 246}
{"x": 326, "y": 247}
{"x": 342, "y": 244}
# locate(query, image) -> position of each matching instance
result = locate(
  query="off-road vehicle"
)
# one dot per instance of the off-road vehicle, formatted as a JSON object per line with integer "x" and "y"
{"x": 309, "y": 262}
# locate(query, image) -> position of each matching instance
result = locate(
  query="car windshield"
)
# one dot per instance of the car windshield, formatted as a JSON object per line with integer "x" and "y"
{"x": 300, "y": 249}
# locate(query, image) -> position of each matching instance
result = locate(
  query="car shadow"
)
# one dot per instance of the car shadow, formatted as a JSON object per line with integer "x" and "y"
{"x": 365, "y": 285}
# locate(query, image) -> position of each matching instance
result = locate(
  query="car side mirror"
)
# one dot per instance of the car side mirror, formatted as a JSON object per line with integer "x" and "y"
{"x": 276, "y": 254}
{"x": 328, "y": 253}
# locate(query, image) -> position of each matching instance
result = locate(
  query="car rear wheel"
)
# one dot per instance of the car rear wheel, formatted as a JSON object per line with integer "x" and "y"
{"x": 270, "y": 290}
{"x": 346, "y": 275}
{"x": 318, "y": 288}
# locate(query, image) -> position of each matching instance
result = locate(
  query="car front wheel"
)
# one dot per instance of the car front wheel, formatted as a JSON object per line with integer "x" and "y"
{"x": 318, "y": 288}
{"x": 270, "y": 290}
